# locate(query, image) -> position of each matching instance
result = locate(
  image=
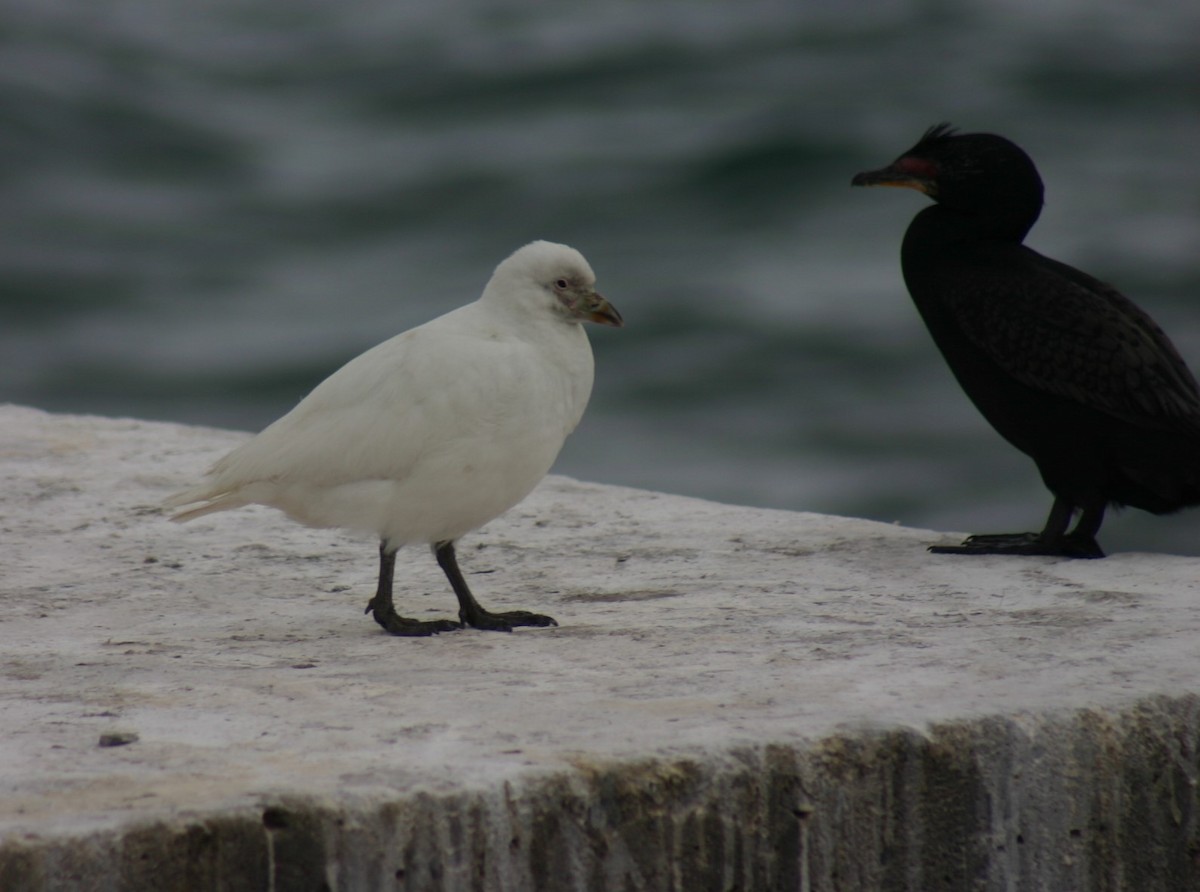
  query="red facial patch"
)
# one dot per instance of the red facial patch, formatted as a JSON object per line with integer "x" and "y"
{"x": 917, "y": 167}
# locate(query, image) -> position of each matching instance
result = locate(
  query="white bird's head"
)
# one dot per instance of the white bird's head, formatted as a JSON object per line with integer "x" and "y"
{"x": 544, "y": 276}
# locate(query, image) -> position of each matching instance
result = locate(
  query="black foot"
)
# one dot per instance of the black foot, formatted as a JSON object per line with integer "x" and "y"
{"x": 505, "y": 622}
{"x": 1070, "y": 545}
{"x": 395, "y": 624}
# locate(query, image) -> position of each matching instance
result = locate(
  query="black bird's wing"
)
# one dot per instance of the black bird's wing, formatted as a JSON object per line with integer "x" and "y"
{"x": 1058, "y": 330}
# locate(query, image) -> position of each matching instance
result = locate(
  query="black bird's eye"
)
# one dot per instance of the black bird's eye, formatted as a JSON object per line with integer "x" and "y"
{"x": 561, "y": 284}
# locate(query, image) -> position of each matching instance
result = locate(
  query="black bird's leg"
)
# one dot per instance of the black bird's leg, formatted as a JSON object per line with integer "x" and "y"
{"x": 1082, "y": 540}
{"x": 469, "y": 610}
{"x": 1053, "y": 540}
{"x": 385, "y": 612}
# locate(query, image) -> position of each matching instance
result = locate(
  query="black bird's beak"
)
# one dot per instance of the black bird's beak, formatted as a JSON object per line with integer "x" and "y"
{"x": 907, "y": 173}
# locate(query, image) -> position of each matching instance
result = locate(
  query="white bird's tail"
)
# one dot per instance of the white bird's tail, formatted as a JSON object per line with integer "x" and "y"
{"x": 220, "y": 500}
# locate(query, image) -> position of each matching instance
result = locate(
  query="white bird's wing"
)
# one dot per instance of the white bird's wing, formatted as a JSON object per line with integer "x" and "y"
{"x": 434, "y": 388}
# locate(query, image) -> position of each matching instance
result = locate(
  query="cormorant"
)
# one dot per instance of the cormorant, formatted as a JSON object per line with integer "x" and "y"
{"x": 1063, "y": 366}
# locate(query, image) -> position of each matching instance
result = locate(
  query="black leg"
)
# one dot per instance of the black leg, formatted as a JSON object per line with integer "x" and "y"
{"x": 469, "y": 610}
{"x": 385, "y": 611}
{"x": 1082, "y": 539}
{"x": 1053, "y": 540}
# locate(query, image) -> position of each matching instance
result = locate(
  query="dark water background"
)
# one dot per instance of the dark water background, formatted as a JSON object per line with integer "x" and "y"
{"x": 207, "y": 207}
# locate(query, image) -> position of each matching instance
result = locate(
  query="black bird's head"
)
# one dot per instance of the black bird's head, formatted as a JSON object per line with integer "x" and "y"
{"x": 978, "y": 175}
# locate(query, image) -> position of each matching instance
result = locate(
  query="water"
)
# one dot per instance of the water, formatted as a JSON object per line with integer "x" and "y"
{"x": 209, "y": 207}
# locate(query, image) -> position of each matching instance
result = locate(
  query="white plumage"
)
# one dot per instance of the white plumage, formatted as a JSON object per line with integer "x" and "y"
{"x": 436, "y": 431}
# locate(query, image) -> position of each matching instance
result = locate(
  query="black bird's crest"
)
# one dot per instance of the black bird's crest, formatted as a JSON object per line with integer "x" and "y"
{"x": 937, "y": 132}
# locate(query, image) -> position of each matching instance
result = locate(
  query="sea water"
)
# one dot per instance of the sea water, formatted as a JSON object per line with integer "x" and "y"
{"x": 208, "y": 207}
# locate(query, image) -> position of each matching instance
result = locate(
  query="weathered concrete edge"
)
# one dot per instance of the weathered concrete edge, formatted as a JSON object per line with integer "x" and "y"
{"x": 1094, "y": 799}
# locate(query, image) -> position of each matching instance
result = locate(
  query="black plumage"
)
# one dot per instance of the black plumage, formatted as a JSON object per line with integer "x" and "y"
{"x": 1065, "y": 367}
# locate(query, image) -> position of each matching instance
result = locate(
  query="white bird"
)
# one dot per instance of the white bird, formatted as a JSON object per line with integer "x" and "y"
{"x": 434, "y": 432}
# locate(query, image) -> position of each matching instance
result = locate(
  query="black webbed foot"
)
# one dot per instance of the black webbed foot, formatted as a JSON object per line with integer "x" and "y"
{"x": 504, "y": 622}
{"x": 1070, "y": 545}
{"x": 991, "y": 543}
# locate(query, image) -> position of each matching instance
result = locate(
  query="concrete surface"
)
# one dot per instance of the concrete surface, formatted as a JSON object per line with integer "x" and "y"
{"x": 735, "y": 699}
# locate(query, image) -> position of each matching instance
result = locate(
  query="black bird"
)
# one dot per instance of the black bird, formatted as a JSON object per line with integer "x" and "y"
{"x": 1063, "y": 366}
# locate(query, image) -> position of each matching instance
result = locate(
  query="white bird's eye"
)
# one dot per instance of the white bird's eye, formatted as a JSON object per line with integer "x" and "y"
{"x": 561, "y": 284}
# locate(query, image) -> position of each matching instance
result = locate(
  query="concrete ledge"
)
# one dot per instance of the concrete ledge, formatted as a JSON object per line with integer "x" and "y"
{"x": 736, "y": 698}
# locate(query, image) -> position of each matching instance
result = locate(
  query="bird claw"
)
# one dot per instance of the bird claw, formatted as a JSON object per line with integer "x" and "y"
{"x": 395, "y": 624}
{"x": 1070, "y": 545}
{"x": 506, "y": 622}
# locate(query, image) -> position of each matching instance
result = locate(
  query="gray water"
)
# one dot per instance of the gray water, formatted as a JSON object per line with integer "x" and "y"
{"x": 208, "y": 207}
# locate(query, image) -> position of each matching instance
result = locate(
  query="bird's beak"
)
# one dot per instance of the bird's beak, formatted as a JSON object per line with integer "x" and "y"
{"x": 905, "y": 176}
{"x": 596, "y": 308}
